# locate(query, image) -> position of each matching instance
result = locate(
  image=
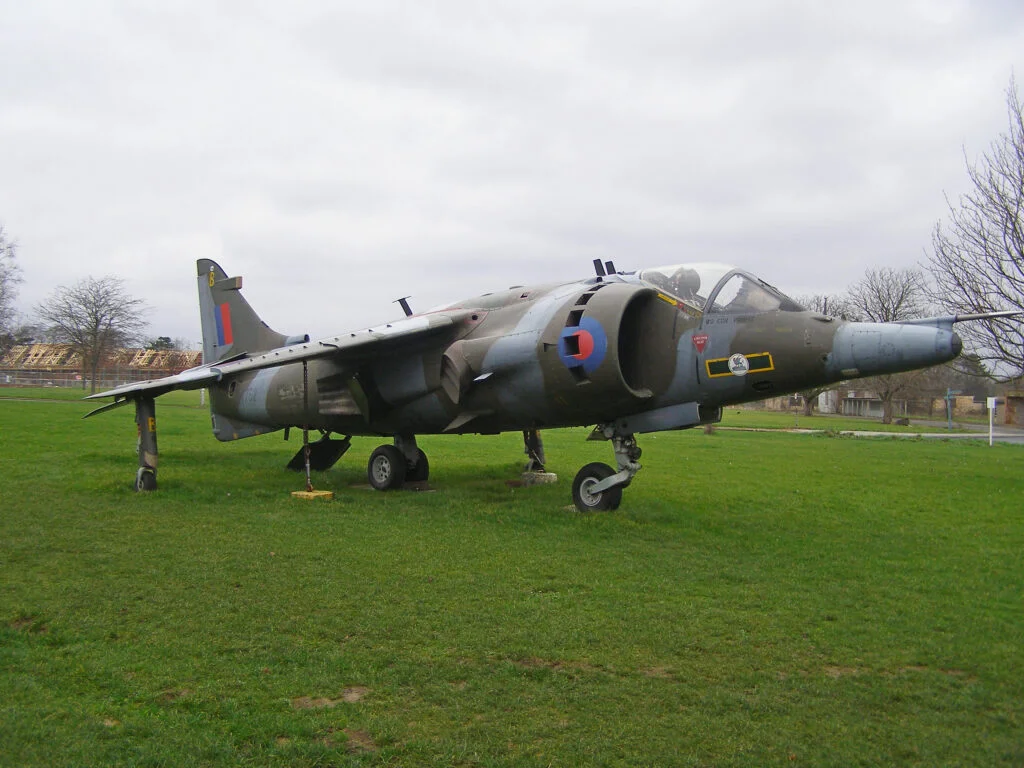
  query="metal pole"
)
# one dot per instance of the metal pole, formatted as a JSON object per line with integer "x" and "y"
{"x": 305, "y": 425}
{"x": 991, "y": 403}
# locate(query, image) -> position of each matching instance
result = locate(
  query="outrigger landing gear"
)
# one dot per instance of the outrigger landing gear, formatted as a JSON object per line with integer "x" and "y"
{"x": 391, "y": 466}
{"x": 535, "y": 473}
{"x": 145, "y": 418}
{"x": 534, "y": 451}
{"x": 597, "y": 486}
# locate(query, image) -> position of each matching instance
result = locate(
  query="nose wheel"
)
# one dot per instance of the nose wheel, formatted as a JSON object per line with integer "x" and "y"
{"x": 598, "y": 487}
{"x": 586, "y": 498}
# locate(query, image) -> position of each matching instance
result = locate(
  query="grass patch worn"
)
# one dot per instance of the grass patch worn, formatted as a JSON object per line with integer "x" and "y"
{"x": 759, "y": 599}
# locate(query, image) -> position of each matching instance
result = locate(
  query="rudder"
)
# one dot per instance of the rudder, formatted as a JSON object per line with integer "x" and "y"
{"x": 230, "y": 326}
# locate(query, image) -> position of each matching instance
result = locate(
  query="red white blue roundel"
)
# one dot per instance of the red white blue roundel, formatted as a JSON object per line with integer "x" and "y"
{"x": 583, "y": 345}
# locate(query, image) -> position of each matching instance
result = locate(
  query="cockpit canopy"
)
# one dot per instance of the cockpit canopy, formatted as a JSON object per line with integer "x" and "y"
{"x": 710, "y": 287}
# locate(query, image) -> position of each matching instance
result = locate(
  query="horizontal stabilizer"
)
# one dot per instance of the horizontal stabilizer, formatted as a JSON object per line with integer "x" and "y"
{"x": 107, "y": 407}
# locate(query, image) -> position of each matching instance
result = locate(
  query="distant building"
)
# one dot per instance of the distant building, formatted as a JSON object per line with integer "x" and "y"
{"x": 1014, "y": 408}
{"x": 55, "y": 365}
{"x": 862, "y": 402}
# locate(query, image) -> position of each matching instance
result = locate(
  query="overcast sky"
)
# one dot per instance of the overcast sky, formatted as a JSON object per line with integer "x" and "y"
{"x": 340, "y": 155}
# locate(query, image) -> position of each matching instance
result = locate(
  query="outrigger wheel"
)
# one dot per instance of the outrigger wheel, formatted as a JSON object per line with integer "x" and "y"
{"x": 145, "y": 479}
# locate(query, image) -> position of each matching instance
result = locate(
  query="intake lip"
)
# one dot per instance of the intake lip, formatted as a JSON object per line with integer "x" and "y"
{"x": 958, "y": 344}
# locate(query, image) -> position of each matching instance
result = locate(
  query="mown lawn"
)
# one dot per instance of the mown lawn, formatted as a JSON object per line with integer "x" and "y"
{"x": 759, "y": 599}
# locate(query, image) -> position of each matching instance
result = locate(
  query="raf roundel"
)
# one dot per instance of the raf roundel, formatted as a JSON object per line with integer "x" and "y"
{"x": 584, "y": 345}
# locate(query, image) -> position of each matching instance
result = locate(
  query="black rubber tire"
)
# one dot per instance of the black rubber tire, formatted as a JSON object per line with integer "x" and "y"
{"x": 420, "y": 471}
{"x": 145, "y": 479}
{"x": 606, "y": 500}
{"x": 386, "y": 468}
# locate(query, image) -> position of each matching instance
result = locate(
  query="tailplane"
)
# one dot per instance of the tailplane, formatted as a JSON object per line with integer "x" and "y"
{"x": 230, "y": 326}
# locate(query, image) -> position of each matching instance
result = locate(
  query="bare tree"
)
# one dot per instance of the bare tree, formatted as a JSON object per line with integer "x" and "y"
{"x": 977, "y": 258}
{"x": 889, "y": 295}
{"x": 94, "y": 316}
{"x": 829, "y": 304}
{"x": 10, "y": 278}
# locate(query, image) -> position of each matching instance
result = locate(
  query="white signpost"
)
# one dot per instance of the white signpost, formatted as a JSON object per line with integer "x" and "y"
{"x": 991, "y": 417}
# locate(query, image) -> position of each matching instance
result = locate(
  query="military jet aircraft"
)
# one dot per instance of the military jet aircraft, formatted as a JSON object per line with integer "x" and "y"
{"x": 629, "y": 352}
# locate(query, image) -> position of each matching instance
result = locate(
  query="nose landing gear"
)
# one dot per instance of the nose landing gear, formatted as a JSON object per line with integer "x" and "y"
{"x": 598, "y": 487}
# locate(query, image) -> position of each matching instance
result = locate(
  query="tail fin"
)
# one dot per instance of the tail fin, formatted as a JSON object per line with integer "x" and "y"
{"x": 230, "y": 326}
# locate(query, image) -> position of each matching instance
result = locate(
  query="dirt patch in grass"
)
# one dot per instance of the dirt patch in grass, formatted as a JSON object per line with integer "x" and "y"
{"x": 309, "y": 702}
{"x": 837, "y": 672}
{"x": 168, "y": 696}
{"x": 359, "y": 741}
{"x": 658, "y": 673}
{"x": 356, "y": 741}
{"x": 354, "y": 694}
{"x": 348, "y": 696}
{"x": 555, "y": 665}
{"x": 957, "y": 674}
{"x": 33, "y": 625}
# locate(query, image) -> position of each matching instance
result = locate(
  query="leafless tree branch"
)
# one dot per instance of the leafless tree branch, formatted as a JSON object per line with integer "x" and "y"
{"x": 889, "y": 295}
{"x": 977, "y": 256}
{"x": 95, "y": 316}
{"x": 10, "y": 278}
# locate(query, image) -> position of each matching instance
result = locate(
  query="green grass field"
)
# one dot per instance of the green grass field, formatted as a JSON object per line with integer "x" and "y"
{"x": 759, "y": 599}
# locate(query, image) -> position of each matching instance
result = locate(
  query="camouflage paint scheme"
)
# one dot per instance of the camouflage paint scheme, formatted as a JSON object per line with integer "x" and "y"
{"x": 629, "y": 352}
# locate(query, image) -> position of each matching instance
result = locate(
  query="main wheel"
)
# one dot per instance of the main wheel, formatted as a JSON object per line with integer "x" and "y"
{"x": 386, "y": 469}
{"x": 602, "y": 501}
{"x": 420, "y": 471}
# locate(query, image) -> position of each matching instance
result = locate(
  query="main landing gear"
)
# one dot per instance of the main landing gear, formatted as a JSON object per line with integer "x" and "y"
{"x": 598, "y": 487}
{"x": 391, "y": 466}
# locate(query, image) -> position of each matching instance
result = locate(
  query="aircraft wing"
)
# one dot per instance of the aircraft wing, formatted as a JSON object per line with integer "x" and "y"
{"x": 357, "y": 345}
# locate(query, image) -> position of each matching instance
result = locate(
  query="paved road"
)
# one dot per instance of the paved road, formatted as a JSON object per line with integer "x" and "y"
{"x": 1003, "y": 435}
{"x": 999, "y": 436}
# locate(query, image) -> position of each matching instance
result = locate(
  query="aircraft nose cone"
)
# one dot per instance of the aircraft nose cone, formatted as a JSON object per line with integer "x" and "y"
{"x": 958, "y": 344}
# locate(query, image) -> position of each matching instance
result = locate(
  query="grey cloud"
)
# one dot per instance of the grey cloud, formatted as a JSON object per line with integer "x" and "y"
{"x": 342, "y": 154}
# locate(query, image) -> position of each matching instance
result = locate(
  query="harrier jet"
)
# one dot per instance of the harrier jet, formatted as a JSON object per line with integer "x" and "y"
{"x": 628, "y": 352}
